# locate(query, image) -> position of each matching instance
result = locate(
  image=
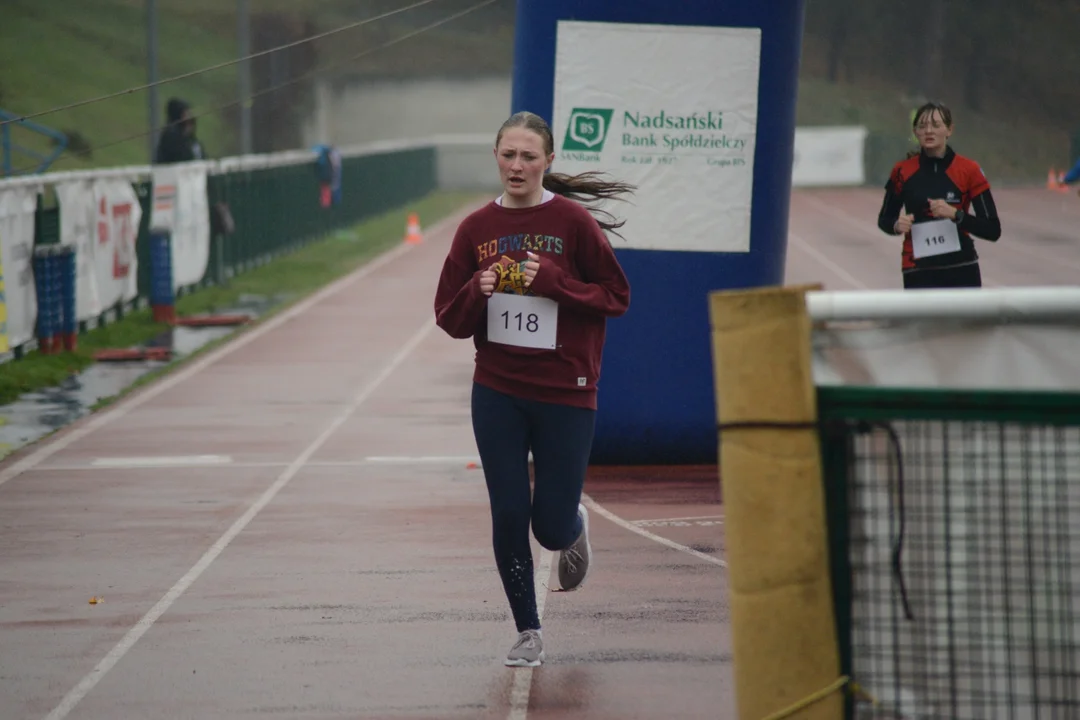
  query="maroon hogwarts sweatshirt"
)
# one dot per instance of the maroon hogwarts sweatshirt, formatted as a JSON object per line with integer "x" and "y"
{"x": 578, "y": 271}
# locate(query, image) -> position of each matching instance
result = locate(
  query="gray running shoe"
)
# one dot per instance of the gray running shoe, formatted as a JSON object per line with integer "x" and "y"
{"x": 528, "y": 651}
{"x": 574, "y": 561}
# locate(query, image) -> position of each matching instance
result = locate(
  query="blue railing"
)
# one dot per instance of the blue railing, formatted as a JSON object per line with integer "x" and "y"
{"x": 8, "y": 148}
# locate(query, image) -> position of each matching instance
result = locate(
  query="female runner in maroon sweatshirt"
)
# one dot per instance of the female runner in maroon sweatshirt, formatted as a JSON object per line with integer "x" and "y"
{"x": 532, "y": 278}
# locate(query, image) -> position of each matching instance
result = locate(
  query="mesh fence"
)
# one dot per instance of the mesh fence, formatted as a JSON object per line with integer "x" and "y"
{"x": 958, "y": 589}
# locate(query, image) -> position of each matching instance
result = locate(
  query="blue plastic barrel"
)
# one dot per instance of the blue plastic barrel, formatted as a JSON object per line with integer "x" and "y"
{"x": 65, "y": 266}
{"x": 47, "y": 286}
{"x": 162, "y": 294}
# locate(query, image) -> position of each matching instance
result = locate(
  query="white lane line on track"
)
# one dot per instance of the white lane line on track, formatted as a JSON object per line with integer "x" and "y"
{"x": 522, "y": 687}
{"x": 646, "y": 521}
{"x": 77, "y": 693}
{"x": 601, "y": 510}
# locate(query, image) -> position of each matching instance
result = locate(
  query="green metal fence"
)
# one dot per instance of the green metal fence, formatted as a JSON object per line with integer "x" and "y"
{"x": 275, "y": 206}
{"x": 275, "y": 209}
{"x": 954, "y": 522}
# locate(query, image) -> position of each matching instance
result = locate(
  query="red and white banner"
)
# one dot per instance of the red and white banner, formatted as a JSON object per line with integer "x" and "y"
{"x": 101, "y": 219}
{"x": 118, "y": 216}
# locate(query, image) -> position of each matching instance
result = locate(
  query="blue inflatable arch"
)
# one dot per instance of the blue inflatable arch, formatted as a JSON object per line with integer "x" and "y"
{"x": 672, "y": 112}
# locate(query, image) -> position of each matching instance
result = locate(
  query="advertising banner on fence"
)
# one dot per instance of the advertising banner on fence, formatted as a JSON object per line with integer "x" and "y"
{"x": 180, "y": 205}
{"x": 670, "y": 109}
{"x": 18, "y": 299}
{"x": 77, "y": 221}
{"x": 118, "y": 214}
{"x": 828, "y": 156}
{"x": 101, "y": 219}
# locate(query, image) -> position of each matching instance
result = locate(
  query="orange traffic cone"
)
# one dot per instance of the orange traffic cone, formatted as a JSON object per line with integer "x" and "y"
{"x": 413, "y": 235}
{"x": 1061, "y": 186}
{"x": 1051, "y": 180}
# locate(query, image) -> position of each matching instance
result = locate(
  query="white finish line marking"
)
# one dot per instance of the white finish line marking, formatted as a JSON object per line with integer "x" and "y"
{"x": 123, "y": 463}
{"x": 421, "y": 459}
{"x": 162, "y": 461}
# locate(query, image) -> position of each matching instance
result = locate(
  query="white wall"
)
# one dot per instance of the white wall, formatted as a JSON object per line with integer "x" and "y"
{"x": 365, "y": 112}
{"x": 466, "y": 163}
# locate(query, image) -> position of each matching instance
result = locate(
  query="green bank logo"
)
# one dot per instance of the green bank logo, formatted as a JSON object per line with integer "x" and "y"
{"x": 587, "y": 129}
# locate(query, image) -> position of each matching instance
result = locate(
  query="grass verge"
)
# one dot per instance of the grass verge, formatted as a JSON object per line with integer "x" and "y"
{"x": 62, "y": 52}
{"x": 293, "y": 276}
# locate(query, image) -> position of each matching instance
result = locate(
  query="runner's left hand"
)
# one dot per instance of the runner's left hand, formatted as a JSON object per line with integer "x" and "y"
{"x": 942, "y": 209}
{"x": 532, "y": 266}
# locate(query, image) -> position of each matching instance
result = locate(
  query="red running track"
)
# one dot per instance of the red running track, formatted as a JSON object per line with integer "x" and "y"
{"x": 834, "y": 240}
{"x": 289, "y": 527}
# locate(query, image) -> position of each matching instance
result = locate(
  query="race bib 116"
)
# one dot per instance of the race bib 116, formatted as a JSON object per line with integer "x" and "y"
{"x": 934, "y": 238}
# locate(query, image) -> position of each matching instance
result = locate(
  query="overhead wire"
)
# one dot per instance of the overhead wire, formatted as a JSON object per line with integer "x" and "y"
{"x": 218, "y": 66}
{"x": 306, "y": 76}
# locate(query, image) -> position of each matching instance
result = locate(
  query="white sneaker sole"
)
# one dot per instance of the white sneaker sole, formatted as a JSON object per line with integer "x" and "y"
{"x": 525, "y": 663}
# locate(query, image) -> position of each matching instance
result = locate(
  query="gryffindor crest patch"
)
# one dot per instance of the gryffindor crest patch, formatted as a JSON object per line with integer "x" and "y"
{"x": 511, "y": 276}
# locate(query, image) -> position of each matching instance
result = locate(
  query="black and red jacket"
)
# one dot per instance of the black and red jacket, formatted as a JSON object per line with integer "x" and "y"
{"x": 957, "y": 180}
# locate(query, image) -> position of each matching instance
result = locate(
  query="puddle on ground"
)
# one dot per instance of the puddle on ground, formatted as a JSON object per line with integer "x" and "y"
{"x": 39, "y": 413}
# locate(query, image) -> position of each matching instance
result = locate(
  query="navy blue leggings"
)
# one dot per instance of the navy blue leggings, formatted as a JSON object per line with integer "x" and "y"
{"x": 560, "y": 437}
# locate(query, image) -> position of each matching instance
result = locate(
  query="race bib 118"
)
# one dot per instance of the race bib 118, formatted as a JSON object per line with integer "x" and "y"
{"x": 522, "y": 320}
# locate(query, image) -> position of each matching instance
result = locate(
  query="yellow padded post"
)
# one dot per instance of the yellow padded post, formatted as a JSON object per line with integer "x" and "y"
{"x": 783, "y": 627}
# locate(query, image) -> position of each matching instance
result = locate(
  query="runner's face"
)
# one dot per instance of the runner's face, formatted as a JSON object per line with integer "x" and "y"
{"x": 522, "y": 163}
{"x": 932, "y": 131}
